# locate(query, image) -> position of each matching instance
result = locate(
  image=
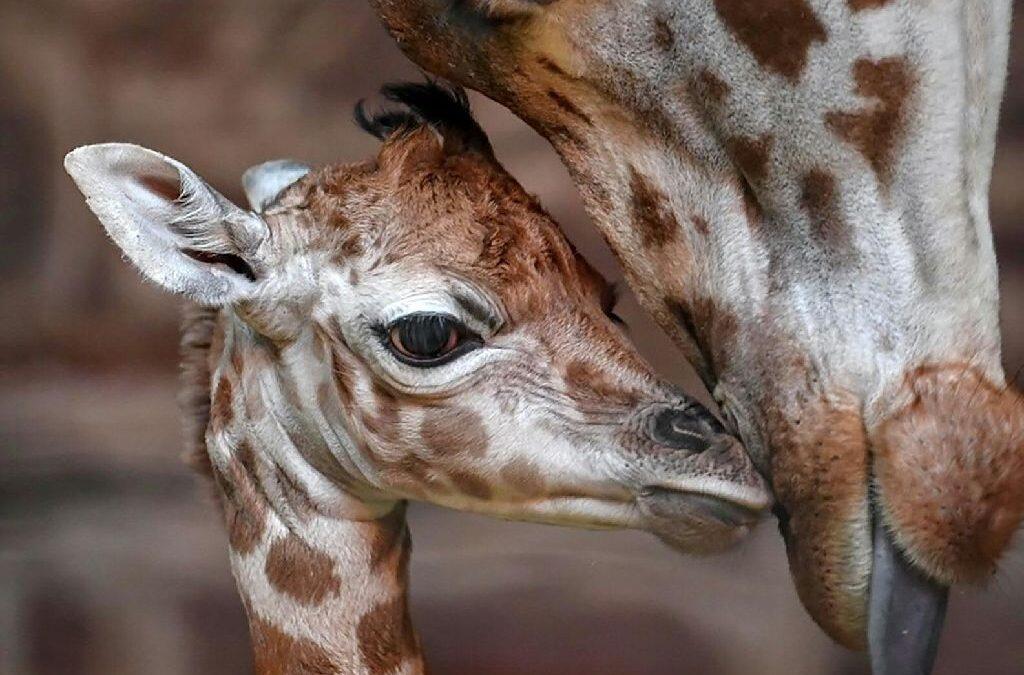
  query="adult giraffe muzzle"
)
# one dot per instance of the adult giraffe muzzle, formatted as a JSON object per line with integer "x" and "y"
{"x": 797, "y": 190}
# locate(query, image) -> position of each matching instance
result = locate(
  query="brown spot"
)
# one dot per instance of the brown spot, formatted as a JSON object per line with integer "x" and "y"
{"x": 454, "y": 431}
{"x": 351, "y": 247}
{"x": 386, "y": 637}
{"x": 711, "y": 86}
{"x": 700, "y": 224}
{"x": 751, "y": 155}
{"x": 412, "y": 474}
{"x": 245, "y": 506}
{"x": 591, "y": 387}
{"x": 779, "y": 33}
{"x": 277, "y": 653}
{"x": 523, "y": 477}
{"x": 861, "y": 5}
{"x": 222, "y": 413}
{"x": 247, "y": 460}
{"x": 664, "y": 36}
{"x": 468, "y": 483}
{"x": 300, "y": 571}
{"x": 876, "y": 130}
{"x": 385, "y": 535}
{"x": 949, "y": 466}
{"x": 568, "y": 106}
{"x": 652, "y": 214}
{"x": 820, "y": 198}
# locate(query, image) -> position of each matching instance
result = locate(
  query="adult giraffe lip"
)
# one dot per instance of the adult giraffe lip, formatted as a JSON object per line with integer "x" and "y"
{"x": 905, "y": 611}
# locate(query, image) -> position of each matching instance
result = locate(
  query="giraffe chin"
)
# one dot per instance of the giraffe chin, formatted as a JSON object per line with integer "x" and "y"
{"x": 692, "y": 522}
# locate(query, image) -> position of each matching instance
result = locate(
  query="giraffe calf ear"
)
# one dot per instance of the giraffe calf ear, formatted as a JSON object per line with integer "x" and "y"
{"x": 179, "y": 231}
{"x": 265, "y": 182}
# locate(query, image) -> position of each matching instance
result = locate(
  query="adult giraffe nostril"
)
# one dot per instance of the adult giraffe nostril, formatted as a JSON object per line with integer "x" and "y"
{"x": 689, "y": 428}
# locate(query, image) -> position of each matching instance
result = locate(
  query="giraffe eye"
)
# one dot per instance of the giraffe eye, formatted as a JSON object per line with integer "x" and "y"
{"x": 428, "y": 340}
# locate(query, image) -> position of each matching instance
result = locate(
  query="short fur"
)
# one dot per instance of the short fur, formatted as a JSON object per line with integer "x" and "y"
{"x": 814, "y": 175}
{"x": 949, "y": 467}
{"x": 315, "y": 428}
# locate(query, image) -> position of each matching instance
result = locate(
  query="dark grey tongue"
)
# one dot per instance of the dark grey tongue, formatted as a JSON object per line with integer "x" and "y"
{"x": 906, "y": 611}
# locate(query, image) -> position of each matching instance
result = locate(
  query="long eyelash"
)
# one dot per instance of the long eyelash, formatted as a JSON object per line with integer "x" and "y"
{"x": 470, "y": 341}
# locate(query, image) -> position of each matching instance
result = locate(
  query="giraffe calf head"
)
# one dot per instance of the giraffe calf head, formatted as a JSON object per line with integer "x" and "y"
{"x": 417, "y": 327}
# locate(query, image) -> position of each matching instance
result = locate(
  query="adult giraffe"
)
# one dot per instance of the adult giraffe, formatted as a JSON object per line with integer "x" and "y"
{"x": 797, "y": 191}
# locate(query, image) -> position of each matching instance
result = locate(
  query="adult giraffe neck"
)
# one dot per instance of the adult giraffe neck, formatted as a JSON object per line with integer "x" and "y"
{"x": 797, "y": 191}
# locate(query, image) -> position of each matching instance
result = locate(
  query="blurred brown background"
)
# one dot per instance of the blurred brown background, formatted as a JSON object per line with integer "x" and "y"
{"x": 112, "y": 562}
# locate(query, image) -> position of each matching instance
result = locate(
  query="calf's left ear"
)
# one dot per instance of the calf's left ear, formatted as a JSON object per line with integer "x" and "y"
{"x": 176, "y": 229}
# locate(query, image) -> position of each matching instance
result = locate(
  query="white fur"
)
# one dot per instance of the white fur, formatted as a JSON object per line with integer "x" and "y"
{"x": 264, "y": 182}
{"x": 153, "y": 230}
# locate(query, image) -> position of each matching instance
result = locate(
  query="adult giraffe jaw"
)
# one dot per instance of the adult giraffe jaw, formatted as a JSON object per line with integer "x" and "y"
{"x": 797, "y": 191}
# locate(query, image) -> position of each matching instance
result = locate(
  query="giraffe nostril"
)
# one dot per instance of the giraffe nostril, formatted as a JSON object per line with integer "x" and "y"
{"x": 689, "y": 428}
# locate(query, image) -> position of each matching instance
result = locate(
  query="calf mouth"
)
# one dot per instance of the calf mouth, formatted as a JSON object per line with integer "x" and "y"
{"x": 699, "y": 521}
{"x": 663, "y": 502}
{"x": 702, "y": 492}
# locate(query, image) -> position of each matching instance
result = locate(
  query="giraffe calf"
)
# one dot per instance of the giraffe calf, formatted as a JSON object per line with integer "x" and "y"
{"x": 410, "y": 327}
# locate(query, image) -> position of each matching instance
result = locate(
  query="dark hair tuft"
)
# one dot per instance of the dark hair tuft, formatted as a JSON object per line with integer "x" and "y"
{"x": 443, "y": 107}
